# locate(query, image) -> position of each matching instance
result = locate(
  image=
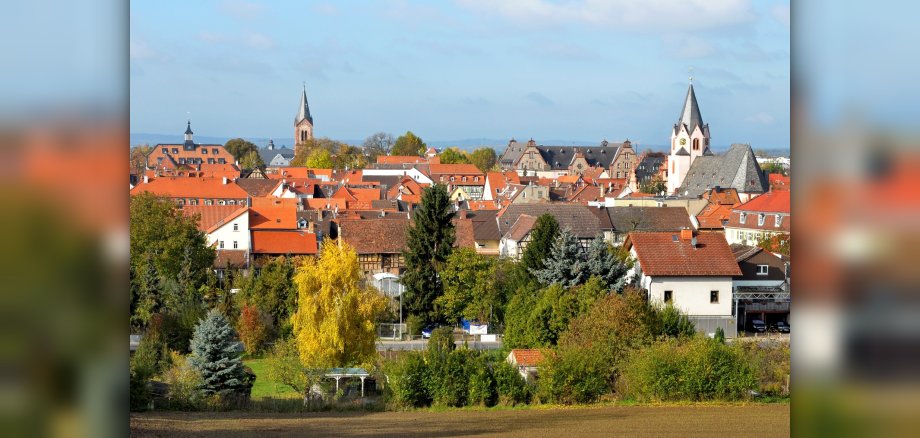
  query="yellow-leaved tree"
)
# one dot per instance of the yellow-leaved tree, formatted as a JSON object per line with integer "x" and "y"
{"x": 334, "y": 320}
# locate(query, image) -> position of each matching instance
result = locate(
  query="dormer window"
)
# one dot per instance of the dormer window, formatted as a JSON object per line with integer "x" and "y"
{"x": 165, "y": 150}
{"x": 214, "y": 151}
{"x": 204, "y": 151}
{"x": 778, "y": 220}
{"x": 743, "y": 217}
{"x": 302, "y": 223}
{"x": 175, "y": 150}
{"x": 760, "y": 219}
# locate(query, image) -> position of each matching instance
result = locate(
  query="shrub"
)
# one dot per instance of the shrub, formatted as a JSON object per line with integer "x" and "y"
{"x": 574, "y": 376}
{"x": 673, "y": 323}
{"x": 771, "y": 364}
{"x": 482, "y": 388}
{"x": 183, "y": 381}
{"x": 407, "y": 381}
{"x": 414, "y": 325}
{"x": 151, "y": 356}
{"x": 253, "y": 327}
{"x": 139, "y": 390}
{"x": 510, "y": 387}
{"x": 693, "y": 369}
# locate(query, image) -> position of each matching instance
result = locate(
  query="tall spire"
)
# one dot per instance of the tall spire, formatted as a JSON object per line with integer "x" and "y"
{"x": 303, "y": 111}
{"x": 690, "y": 113}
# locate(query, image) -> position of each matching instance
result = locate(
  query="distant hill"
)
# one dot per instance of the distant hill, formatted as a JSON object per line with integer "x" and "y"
{"x": 466, "y": 144}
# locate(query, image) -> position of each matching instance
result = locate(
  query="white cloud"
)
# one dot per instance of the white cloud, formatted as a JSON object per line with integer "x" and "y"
{"x": 781, "y": 13}
{"x": 654, "y": 15}
{"x": 259, "y": 41}
{"x": 761, "y": 118}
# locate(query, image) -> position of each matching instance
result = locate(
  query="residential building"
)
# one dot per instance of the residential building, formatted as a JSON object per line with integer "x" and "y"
{"x": 625, "y": 220}
{"x": 766, "y": 215}
{"x": 379, "y": 243}
{"x": 188, "y": 153}
{"x": 525, "y": 361}
{"x": 762, "y": 290}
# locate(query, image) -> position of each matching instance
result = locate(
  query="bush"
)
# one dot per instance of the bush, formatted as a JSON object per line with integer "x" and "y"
{"x": 771, "y": 364}
{"x": 695, "y": 369}
{"x": 482, "y": 390}
{"x": 414, "y": 325}
{"x": 449, "y": 380}
{"x": 574, "y": 376}
{"x": 407, "y": 381}
{"x": 183, "y": 383}
{"x": 151, "y": 356}
{"x": 139, "y": 390}
{"x": 253, "y": 327}
{"x": 510, "y": 387}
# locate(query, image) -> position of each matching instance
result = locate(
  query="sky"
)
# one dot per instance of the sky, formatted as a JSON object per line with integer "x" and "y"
{"x": 582, "y": 70}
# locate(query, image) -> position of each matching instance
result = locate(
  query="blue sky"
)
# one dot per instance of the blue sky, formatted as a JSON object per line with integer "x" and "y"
{"x": 574, "y": 70}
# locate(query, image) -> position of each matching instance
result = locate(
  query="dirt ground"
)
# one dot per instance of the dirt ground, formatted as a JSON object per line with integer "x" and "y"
{"x": 761, "y": 420}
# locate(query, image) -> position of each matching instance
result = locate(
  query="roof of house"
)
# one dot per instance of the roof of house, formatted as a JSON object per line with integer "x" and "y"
{"x": 464, "y": 232}
{"x": 453, "y": 169}
{"x": 268, "y": 155}
{"x": 234, "y": 258}
{"x": 584, "y": 222}
{"x": 213, "y": 216}
{"x": 257, "y": 187}
{"x": 713, "y": 215}
{"x": 744, "y": 252}
{"x": 375, "y": 236}
{"x": 777, "y": 201}
{"x": 736, "y": 169}
{"x": 521, "y": 227}
{"x": 778, "y": 182}
{"x": 628, "y": 219}
{"x": 666, "y": 254}
{"x": 283, "y": 242}
{"x": 197, "y": 188}
{"x": 276, "y": 215}
{"x": 526, "y": 357}
{"x": 400, "y": 159}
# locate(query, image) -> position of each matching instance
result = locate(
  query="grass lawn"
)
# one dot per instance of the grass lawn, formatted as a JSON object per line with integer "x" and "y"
{"x": 264, "y": 387}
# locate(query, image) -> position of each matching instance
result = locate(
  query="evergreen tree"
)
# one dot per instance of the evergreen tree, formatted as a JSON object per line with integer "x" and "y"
{"x": 147, "y": 297}
{"x": 541, "y": 242}
{"x": 215, "y": 356}
{"x": 566, "y": 263}
{"x": 429, "y": 242}
{"x": 603, "y": 265}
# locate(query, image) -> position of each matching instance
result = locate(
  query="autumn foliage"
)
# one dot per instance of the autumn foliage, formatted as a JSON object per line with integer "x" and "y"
{"x": 253, "y": 328}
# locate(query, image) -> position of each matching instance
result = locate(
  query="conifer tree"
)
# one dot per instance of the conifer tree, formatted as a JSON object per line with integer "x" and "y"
{"x": 215, "y": 356}
{"x": 429, "y": 242}
{"x": 603, "y": 265}
{"x": 566, "y": 263}
{"x": 542, "y": 237}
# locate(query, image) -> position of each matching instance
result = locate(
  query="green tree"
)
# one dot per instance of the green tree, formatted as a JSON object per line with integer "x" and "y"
{"x": 320, "y": 159}
{"x": 454, "y": 156}
{"x": 484, "y": 158}
{"x": 603, "y": 265}
{"x": 429, "y": 242}
{"x": 239, "y": 148}
{"x": 171, "y": 241}
{"x": 654, "y": 186}
{"x": 251, "y": 160}
{"x": 272, "y": 291}
{"x": 349, "y": 157}
{"x": 334, "y": 322}
{"x": 566, "y": 263}
{"x": 542, "y": 237}
{"x": 777, "y": 243}
{"x": 138, "y": 158}
{"x": 285, "y": 366}
{"x": 379, "y": 143}
{"x": 469, "y": 288}
{"x": 409, "y": 144}
{"x": 215, "y": 357}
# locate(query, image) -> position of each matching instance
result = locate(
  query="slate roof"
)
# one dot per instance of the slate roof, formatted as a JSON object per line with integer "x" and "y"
{"x": 303, "y": 110}
{"x": 374, "y": 236}
{"x": 585, "y": 222}
{"x": 559, "y": 157}
{"x": 690, "y": 114}
{"x": 628, "y": 219}
{"x": 269, "y": 154}
{"x": 660, "y": 254}
{"x": 736, "y": 169}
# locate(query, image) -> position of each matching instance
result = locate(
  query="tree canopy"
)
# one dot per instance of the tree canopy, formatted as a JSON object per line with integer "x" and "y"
{"x": 215, "y": 357}
{"x": 409, "y": 144}
{"x": 251, "y": 160}
{"x": 484, "y": 158}
{"x": 469, "y": 286}
{"x": 454, "y": 156}
{"x": 138, "y": 158}
{"x": 239, "y": 148}
{"x": 429, "y": 242}
{"x": 378, "y": 143}
{"x": 334, "y": 321}
{"x": 542, "y": 237}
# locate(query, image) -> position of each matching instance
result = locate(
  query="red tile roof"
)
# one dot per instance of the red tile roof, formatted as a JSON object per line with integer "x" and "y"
{"x": 660, "y": 255}
{"x": 279, "y": 214}
{"x": 283, "y": 242}
{"x": 779, "y": 182}
{"x": 777, "y": 201}
{"x": 712, "y": 215}
{"x": 213, "y": 216}
{"x": 194, "y": 188}
{"x": 454, "y": 169}
{"x": 526, "y": 357}
{"x": 300, "y": 172}
{"x": 374, "y": 236}
{"x": 521, "y": 227}
{"x": 400, "y": 159}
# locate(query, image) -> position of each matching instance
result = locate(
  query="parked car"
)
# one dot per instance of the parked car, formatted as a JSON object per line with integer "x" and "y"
{"x": 426, "y": 331}
{"x": 780, "y": 326}
{"x": 758, "y": 325}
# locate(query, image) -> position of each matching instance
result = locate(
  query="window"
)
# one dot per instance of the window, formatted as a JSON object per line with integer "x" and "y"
{"x": 713, "y": 296}
{"x": 204, "y": 151}
{"x": 235, "y": 246}
{"x": 221, "y": 245}
{"x": 763, "y": 269}
{"x": 236, "y": 227}
{"x": 175, "y": 150}
{"x": 668, "y": 296}
{"x": 182, "y": 161}
{"x": 777, "y": 221}
{"x": 214, "y": 151}
{"x": 760, "y": 219}
{"x": 696, "y": 144}
{"x": 464, "y": 179}
{"x": 231, "y": 202}
{"x": 165, "y": 150}
{"x": 743, "y": 217}
{"x": 210, "y": 161}
{"x": 192, "y": 202}
{"x": 221, "y": 161}
{"x": 221, "y": 202}
{"x": 207, "y": 202}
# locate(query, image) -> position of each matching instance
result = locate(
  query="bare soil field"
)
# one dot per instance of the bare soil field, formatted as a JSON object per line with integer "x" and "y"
{"x": 761, "y": 420}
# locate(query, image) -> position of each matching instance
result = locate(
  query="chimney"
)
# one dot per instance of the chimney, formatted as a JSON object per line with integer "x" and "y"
{"x": 225, "y": 180}
{"x": 310, "y": 224}
{"x": 687, "y": 234}
{"x": 146, "y": 179}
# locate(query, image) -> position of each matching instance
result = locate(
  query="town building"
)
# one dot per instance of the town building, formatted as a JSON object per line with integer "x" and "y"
{"x": 764, "y": 216}
{"x": 303, "y": 121}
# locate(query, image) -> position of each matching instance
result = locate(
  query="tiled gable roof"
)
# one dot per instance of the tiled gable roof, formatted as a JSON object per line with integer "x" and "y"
{"x": 521, "y": 227}
{"x": 526, "y": 357}
{"x": 628, "y": 219}
{"x": 283, "y": 242}
{"x": 258, "y": 188}
{"x": 585, "y": 222}
{"x": 736, "y": 169}
{"x": 777, "y": 201}
{"x": 200, "y": 188}
{"x": 666, "y": 254}
{"x": 212, "y": 216}
{"x": 374, "y": 236}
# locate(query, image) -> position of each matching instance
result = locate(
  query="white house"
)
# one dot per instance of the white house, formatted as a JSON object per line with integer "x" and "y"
{"x": 526, "y": 362}
{"x": 413, "y": 173}
{"x": 693, "y": 271}
{"x": 226, "y": 229}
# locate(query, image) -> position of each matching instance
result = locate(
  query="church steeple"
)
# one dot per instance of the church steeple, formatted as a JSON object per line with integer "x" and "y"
{"x": 303, "y": 122}
{"x": 690, "y": 113}
{"x": 189, "y": 145}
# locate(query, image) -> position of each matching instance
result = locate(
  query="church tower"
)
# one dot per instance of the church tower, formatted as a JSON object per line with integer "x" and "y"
{"x": 689, "y": 139}
{"x": 303, "y": 123}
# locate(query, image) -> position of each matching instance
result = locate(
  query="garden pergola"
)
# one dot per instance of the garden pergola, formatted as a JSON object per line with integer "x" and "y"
{"x": 339, "y": 373}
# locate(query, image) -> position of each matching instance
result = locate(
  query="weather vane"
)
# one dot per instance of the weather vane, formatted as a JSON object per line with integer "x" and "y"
{"x": 690, "y": 70}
